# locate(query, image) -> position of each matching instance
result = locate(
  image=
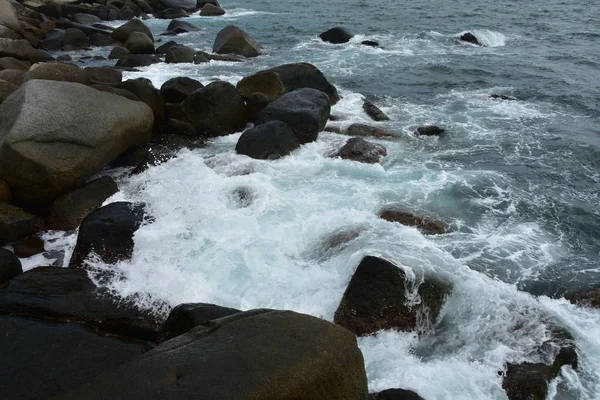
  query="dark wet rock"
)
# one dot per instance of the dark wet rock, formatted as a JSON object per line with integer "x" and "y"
{"x": 233, "y": 40}
{"x": 268, "y": 141}
{"x": 202, "y": 57}
{"x": 147, "y": 93}
{"x": 305, "y": 111}
{"x": 133, "y": 157}
{"x": 6, "y": 33}
{"x": 174, "y": 110}
{"x": 57, "y": 72}
{"x": 139, "y": 43}
{"x": 10, "y": 266}
{"x": 266, "y": 82}
{"x": 216, "y": 110}
{"x": 340, "y": 240}
{"x": 85, "y": 19}
{"x": 176, "y": 90}
{"x": 210, "y": 10}
{"x": 178, "y": 127}
{"x": 503, "y": 97}
{"x": 119, "y": 92}
{"x": 137, "y": 60}
{"x": 135, "y": 25}
{"x": 162, "y": 49}
{"x": 242, "y": 197}
{"x": 333, "y": 129}
{"x": 29, "y": 247}
{"x": 358, "y": 149}
{"x": 527, "y": 381}
{"x": 470, "y": 38}
{"x": 16, "y": 77}
{"x": 370, "y": 43}
{"x": 61, "y": 356}
{"x": 126, "y": 13}
{"x": 101, "y": 40}
{"x": 256, "y": 354}
{"x": 118, "y": 53}
{"x": 187, "y": 316}
{"x": 68, "y": 294}
{"x": 64, "y": 58}
{"x": 589, "y": 298}
{"x": 171, "y": 13}
{"x": 69, "y": 210}
{"x": 108, "y": 233}
{"x": 255, "y": 103}
{"x": 22, "y": 50}
{"x": 374, "y": 112}
{"x": 64, "y": 23}
{"x": 16, "y": 224}
{"x": 364, "y": 130}
{"x": 75, "y": 39}
{"x": 429, "y": 130}
{"x": 145, "y": 7}
{"x": 6, "y": 89}
{"x": 180, "y": 54}
{"x": 375, "y": 299}
{"x": 187, "y": 5}
{"x": 305, "y": 75}
{"x": 179, "y": 26}
{"x": 104, "y": 75}
{"x": 336, "y": 35}
{"x": 426, "y": 225}
{"x": 395, "y": 394}
{"x": 13, "y": 63}
{"x": 5, "y": 192}
{"x": 8, "y": 17}
{"x": 60, "y": 133}
{"x": 201, "y": 3}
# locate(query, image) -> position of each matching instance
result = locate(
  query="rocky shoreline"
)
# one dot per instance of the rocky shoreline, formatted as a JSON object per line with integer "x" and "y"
{"x": 61, "y": 125}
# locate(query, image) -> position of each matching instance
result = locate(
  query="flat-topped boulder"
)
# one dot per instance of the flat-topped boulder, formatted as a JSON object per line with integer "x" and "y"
{"x": 233, "y": 40}
{"x": 59, "y": 133}
{"x": 336, "y": 35}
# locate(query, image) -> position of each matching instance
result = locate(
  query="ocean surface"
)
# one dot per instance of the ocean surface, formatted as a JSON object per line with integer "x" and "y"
{"x": 518, "y": 181}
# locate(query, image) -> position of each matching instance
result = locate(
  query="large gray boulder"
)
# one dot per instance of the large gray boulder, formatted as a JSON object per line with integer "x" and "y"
{"x": 259, "y": 354}
{"x": 55, "y": 134}
{"x": 8, "y": 18}
{"x": 21, "y": 50}
{"x": 233, "y": 40}
{"x": 139, "y": 43}
{"x": 135, "y": 25}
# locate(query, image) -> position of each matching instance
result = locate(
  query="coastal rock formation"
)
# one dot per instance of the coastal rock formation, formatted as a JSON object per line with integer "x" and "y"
{"x": 358, "y": 149}
{"x": 137, "y": 60}
{"x": 139, "y": 43}
{"x": 22, "y": 50}
{"x": 266, "y": 82}
{"x": 185, "y": 317}
{"x": 8, "y": 18}
{"x": 589, "y": 298}
{"x": 304, "y": 75}
{"x": 122, "y": 33}
{"x": 145, "y": 91}
{"x": 177, "y": 26}
{"x": 470, "y": 38}
{"x": 336, "y": 35}
{"x": 426, "y": 225}
{"x": 171, "y": 13}
{"x": 255, "y": 103}
{"x": 29, "y": 247}
{"x": 210, "y": 10}
{"x": 395, "y": 394}
{"x": 374, "y": 112}
{"x": 429, "y": 130}
{"x": 256, "y": 354}
{"x": 305, "y": 111}
{"x": 16, "y": 224}
{"x": 268, "y": 141}
{"x": 233, "y": 40}
{"x": 6, "y": 89}
{"x": 176, "y": 90}
{"x": 180, "y": 54}
{"x": 59, "y": 133}
{"x": 364, "y": 130}
{"x": 57, "y": 72}
{"x": 376, "y": 299}
{"x": 10, "y": 265}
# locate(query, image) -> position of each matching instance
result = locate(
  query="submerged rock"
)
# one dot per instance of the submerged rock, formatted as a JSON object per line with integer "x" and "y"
{"x": 358, "y": 149}
{"x": 370, "y": 43}
{"x": 395, "y": 394}
{"x": 589, "y": 298}
{"x": 137, "y": 60}
{"x": 180, "y": 54}
{"x": 374, "y": 112}
{"x": 470, "y": 38}
{"x": 364, "y": 130}
{"x": 336, "y": 35}
{"x": 503, "y": 97}
{"x": 376, "y": 299}
{"x": 425, "y": 225}
{"x": 185, "y": 317}
{"x": 268, "y": 141}
{"x": 233, "y": 40}
{"x": 171, "y": 13}
{"x": 429, "y": 130}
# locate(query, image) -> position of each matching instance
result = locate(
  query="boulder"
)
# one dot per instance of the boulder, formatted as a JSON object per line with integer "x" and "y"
{"x": 21, "y": 50}
{"x": 6, "y": 89}
{"x": 6, "y": 33}
{"x": 126, "y": 13}
{"x": 53, "y": 40}
{"x": 395, "y": 394}
{"x": 375, "y": 299}
{"x": 187, "y": 5}
{"x": 201, "y": 3}
{"x": 210, "y": 10}
{"x": 13, "y": 63}
{"x": 29, "y": 247}
{"x": 59, "y": 133}
{"x": 61, "y": 355}
{"x": 364, "y": 130}
{"x": 180, "y": 54}
{"x": 118, "y": 53}
{"x": 503, "y": 97}
{"x": 14, "y": 76}
{"x": 87, "y": 19}
{"x": 176, "y": 90}
{"x": 426, "y": 225}
{"x": 57, "y": 72}
{"x": 122, "y": 33}
{"x": 70, "y": 209}
{"x": 358, "y": 149}
{"x": 268, "y": 141}
{"x": 10, "y": 266}
{"x": 8, "y": 18}
{"x": 216, "y": 110}
{"x": 108, "y": 233}
{"x": 104, "y": 75}
{"x": 119, "y": 92}
{"x": 374, "y": 112}
{"x": 336, "y": 35}
{"x": 370, "y": 43}
{"x": 305, "y": 111}
{"x": 233, "y": 40}
{"x": 304, "y": 75}
{"x": 139, "y": 43}
{"x": 147, "y": 93}
{"x": 5, "y": 193}
{"x": 429, "y": 130}
{"x": 137, "y": 60}
{"x": 181, "y": 128}
{"x": 267, "y": 82}
{"x": 16, "y": 224}
{"x": 64, "y": 23}
{"x": 185, "y": 317}
{"x": 255, "y": 104}
{"x": 470, "y": 38}
{"x": 145, "y": 7}
{"x": 75, "y": 39}
{"x": 179, "y": 26}
{"x": 165, "y": 47}
{"x": 590, "y": 298}
{"x": 171, "y": 13}
{"x": 68, "y": 294}
{"x": 259, "y": 354}
{"x": 202, "y": 57}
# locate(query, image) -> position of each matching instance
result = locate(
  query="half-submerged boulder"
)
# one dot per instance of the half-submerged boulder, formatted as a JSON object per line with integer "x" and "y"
{"x": 395, "y": 394}
{"x": 470, "y": 38}
{"x": 59, "y": 133}
{"x": 180, "y": 54}
{"x": 233, "y": 40}
{"x": 374, "y": 112}
{"x": 259, "y": 354}
{"x": 16, "y": 224}
{"x": 364, "y": 130}
{"x": 107, "y": 233}
{"x": 269, "y": 141}
{"x": 305, "y": 111}
{"x": 210, "y": 10}
{"x": 376, "y": 299}
{"x": 135, "y": 25}
{"x": 266, "y": 82}
{"x": 590, "y": 298}
{"x": 336, "y": 35}
{"x": 139, "y": 43}
{"x": 358, "y": 149}
{"x": 429, "y": 130}
{"x": 178, "y": 26}
{"x": 185, "y": 317}
{"x": 428, "y": 226}
{"x": 304, "y": 75}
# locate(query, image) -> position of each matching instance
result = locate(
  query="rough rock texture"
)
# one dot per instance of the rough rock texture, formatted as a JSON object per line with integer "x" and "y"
{"x": 75, "y": 39}
{"x": 21, "y": 50}
{"x": 233, "y": 40}
{"x": 145, "y": 91}
{"x": 358, "y": 149}
{"x": 118, "y": 53}
{"x": 364, "y": 130}
{"x": 68, "y": 294}
{"x": 176, "y": 90}
{"x": 336, "y": 35}
{"x": 216, "y": 110}
{"x": 162, "y": 49}
{"x": 255, "y": 103}
{"x": 139, "y": 43}
{"x": 104, "y": 75}
{"x": 16, "y": 224}
{"x": 6, "y": 89}
{"x": 101, "y": 40}
{"x": 59, "y": 133}
{"x": 180, "y": 54}
{"x": 8, "y": 18}
{"x": 178, "y": 26}
{"x": 374, "y": 112}
{"x": 589, "y": 298}
{"x": 13, "y": 63}
{"x": 395, "y": 394}
{"x": 107, "y": 233}
{"x": 137, "y": 60}
{"x": 429, "y": 130}
{"x": 375, "y": 299}
{"x": 305, "y": 75}
{"x": 29, "y": 247}
{"x": 185, "y": 317}
{"x": 266, "y": 82}
{"x": 135, "y": 25}
{"x": 10, "y": 266}
{"x": 269, "y": 141}
{"x": 57, "y": 72}
{"x": 16, "y": 77}
{"x": 60, "y": 355}
{"x": 259, "y": 354}
{"x": 426, "y": 225}
{"x": 210, "y": 10}
{"x": 305, "y": 111}
{"x": 69, "y": 210}
{"x": 171, "y": 13}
